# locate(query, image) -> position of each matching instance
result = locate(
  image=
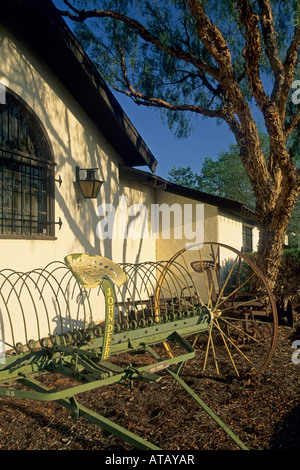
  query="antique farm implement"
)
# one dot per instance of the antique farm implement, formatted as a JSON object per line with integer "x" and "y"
{"x": 209, "y": 300}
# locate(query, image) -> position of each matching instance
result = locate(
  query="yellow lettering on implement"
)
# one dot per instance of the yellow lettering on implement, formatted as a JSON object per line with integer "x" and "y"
{"x": 110, "y": 309}
{"x": 109, "y": 320}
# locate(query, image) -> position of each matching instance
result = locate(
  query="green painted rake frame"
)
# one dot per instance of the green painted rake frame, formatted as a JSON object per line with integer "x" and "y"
{"x": 84, "y": 355}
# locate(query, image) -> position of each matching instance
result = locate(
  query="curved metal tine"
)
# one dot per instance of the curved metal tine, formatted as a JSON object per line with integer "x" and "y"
{"x": 9, "y": 316}
{"x": 168, "y": 271}
{"x": 226, "y": 281}
{"x": 46, "y": 279}
{"x": 59, "y": 288}
{"x": 178, "y": 270}
{"x": 63, "y": 266}
{"x": 176, "y": 264}
{"x": 167, "y": 289}
{"x": 194, "y": 294}
{"x": 45, "y": 268}
{"x": 84, "y": 293}
{"x": 215, "y": 259}
{"x": 6, "y": 279}
{"x": 138, "y": 277}
{"x": 186, "y": 264}
{"x": 28, "y": 276}
{"x": 126, "y": 290}
{"x": 160, "y": 295}
{"x": 188, "y": 268}
{"x": 204, "y": 272}
{"x": 147, "y": 280}
{"x": 41, "y": 297}
{"x": 121, "y": 290}
{"x": 144, "y": 268}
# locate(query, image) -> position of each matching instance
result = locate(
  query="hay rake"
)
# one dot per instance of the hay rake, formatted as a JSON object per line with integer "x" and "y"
{"x": 209, "y": 298}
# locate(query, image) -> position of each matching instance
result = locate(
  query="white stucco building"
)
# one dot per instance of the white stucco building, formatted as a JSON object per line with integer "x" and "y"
{"x": 57, "y": 120}
{"x": 58, "y": 114}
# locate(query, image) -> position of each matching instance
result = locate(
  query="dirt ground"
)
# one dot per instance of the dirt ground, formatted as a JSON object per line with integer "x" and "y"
{"x": 264, "y": 413}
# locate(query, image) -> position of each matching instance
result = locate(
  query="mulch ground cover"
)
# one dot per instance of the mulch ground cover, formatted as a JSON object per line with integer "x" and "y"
{"x": 264, "y": 413}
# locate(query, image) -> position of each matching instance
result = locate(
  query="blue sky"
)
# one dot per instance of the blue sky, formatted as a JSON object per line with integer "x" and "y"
{"x": 207, "y": 140}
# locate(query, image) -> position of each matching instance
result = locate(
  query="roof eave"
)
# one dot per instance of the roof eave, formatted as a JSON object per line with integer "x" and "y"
{"x": 39, "y": 24}
{"x": 229, "y": 205}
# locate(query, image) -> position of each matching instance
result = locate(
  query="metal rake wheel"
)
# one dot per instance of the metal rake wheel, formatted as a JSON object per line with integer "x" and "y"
{"x": 242, "y": 328}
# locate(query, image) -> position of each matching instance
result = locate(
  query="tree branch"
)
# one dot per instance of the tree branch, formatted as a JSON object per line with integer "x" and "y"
{"x": 71, "y": 6}
{"x": 142, "y": 99}
{"x": 269, "y": 36}
{"x": 252, "y": 51}
{"x": 289, "y": 127}
{"x": 289, "y": 65}
{"x": 211, "y": 36}
{"x": 146, "y": 35}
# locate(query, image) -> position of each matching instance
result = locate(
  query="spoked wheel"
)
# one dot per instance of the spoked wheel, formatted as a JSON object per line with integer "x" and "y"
{"x": 242, "y": 328}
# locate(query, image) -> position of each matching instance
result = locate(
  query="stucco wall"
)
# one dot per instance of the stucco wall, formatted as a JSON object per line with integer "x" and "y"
{"x": 206, "y": 228}
{"x": 231, "y": 230}
{"x": 75, "y": 142}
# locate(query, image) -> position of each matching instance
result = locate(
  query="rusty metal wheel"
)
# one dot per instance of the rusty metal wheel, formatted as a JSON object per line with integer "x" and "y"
{"x": 242, "y": 328}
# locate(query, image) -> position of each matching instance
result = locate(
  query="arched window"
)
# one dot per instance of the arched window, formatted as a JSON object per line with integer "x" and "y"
{"x": 26, "y": 173}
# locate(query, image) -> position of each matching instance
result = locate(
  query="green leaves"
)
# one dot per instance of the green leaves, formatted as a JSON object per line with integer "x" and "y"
{"x": 224, "y": 177}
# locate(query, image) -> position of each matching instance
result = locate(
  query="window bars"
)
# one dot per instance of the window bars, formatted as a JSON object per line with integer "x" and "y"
{"x": 26, "y": 173}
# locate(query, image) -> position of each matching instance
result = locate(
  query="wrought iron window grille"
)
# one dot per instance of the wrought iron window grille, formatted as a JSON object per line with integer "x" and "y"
{"x": 27, "y": 175}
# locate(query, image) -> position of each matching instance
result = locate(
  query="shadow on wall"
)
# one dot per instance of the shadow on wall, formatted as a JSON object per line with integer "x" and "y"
{"x": 60, "y": 115}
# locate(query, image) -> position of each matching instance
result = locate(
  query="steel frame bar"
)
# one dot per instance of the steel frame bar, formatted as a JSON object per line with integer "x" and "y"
{"x": 203, "y": 405}
{"x": 67, "y": 398}
{"x": 78, "y": 410}
{"x": 83, "y": 353}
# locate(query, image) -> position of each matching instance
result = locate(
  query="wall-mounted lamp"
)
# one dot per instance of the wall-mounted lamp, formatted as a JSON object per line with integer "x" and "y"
{"x": 89, "y": 186}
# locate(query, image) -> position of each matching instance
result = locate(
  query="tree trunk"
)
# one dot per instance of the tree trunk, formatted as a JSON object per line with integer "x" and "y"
{"x": 274, "y": 215}
{"x": 270, "y": 251}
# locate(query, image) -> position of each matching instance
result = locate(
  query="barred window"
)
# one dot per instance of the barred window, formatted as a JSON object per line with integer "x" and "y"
{"x": 247, "y": 239}
{"x": 26, "y": 173}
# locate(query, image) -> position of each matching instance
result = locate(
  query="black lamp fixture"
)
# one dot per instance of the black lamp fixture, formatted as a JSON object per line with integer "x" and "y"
{"x": 89, "y": 186}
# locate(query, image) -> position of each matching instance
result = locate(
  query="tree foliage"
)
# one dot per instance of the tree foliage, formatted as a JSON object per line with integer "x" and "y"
{"x": 217, "y": 59}
{"x": 224, "y": 177}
